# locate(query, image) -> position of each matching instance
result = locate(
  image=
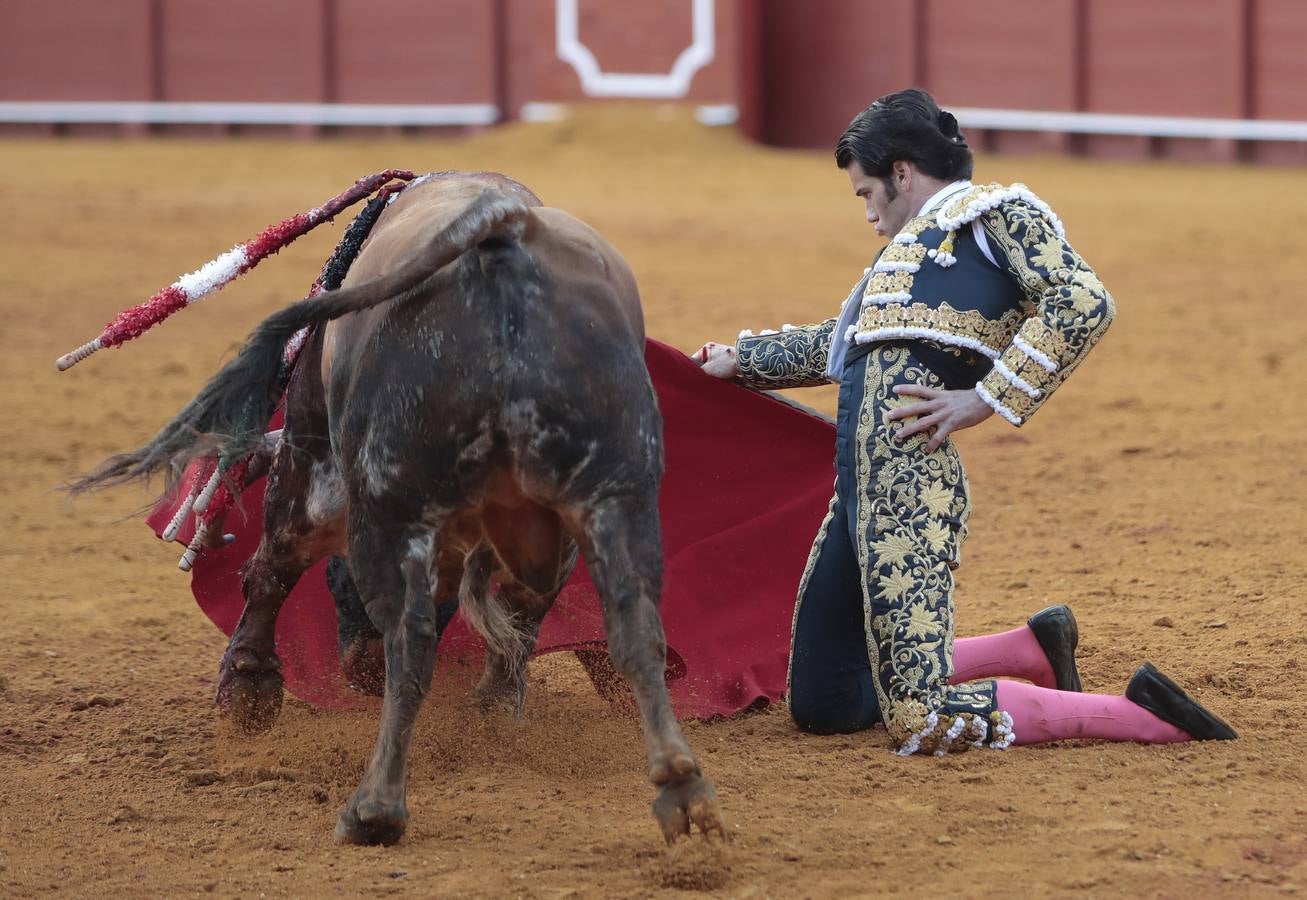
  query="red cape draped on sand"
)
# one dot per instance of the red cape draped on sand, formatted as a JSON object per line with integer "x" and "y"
{"x": 747, "y": 484}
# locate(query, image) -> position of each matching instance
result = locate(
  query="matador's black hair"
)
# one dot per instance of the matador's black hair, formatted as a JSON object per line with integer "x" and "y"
{"x": 907, "y": 125}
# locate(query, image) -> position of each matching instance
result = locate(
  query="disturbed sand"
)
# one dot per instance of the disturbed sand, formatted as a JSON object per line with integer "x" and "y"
{"x": 1161, "y": 494}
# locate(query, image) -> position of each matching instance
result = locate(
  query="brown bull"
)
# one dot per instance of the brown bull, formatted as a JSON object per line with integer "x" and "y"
{"x": 475, "y": 408}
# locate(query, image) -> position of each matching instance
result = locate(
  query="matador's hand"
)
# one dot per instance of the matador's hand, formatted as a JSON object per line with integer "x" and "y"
{"x": 717, "y": 360}
{"x": 943, "y": 411}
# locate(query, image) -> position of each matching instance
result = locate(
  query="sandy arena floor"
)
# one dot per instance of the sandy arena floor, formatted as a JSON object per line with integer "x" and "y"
{"x": 1162, "y": 494}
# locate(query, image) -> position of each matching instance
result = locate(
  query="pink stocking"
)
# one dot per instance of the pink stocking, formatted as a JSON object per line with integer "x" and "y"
{"x": 1040, "y": 715}
{"x": 1015, "y": 653}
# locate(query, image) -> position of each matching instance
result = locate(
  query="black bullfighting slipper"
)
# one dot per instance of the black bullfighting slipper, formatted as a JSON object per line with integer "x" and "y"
{"x": 1055, "y": 629}
{"x": 1165, "y": 699}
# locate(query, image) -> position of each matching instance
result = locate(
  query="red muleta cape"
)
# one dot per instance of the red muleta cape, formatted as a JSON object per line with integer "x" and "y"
{"x": 747, "y": 484}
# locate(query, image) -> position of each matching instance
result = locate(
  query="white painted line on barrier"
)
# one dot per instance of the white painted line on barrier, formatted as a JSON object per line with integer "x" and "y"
{"x": 716, "y": 114}
{"x": 542, "y": 112}
{"x": 251, "y": 113}
{"x": 1143, "y": 126}
{"x": 710, "y": 114}
{"x": 488, "y": 114}
{"x": 595, "y": 82}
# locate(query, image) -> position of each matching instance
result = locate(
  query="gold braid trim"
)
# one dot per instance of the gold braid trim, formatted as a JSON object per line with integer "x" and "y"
{"x": 912, "y": 509}
{"x": 879, "y": 377}
{"x": 888, "y": 283}
{"x": 904, "y": 248}
{"x": 967, "y": 328}
{"x": 985, "y": 197}
{"x": 903, "y": 253}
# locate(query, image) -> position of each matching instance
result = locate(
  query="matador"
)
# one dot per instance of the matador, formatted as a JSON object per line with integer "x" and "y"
{"x": 977, "y": 306}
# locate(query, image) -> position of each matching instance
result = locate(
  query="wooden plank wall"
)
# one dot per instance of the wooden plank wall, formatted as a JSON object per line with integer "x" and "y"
{"x": 821, "y": 61}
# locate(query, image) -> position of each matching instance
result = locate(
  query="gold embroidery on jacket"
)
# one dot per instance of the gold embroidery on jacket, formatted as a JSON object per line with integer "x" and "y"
{"x": 968, "y": 325}
{"x": 912, "y": 509}
{"x": 888, "y": 283}
{"x": 1071, "y": 312}
{"x": 793, "y": 358}
{"x": 896, "y": 252}
{"x": 903, "y": 253}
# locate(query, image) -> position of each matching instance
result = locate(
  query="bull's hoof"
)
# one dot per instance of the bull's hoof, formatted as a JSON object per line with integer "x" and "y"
{"x": 498, "y": 701}
{"x": 685, "y": 799}
{"x": 363, "y": 663}
{"x": 250, "y": 689}
{"x": 370, "y": 822}
{"x": 497, "y": 694}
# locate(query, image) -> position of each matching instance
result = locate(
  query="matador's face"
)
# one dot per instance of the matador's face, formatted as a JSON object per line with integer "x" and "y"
{"x": 888, "y": 209}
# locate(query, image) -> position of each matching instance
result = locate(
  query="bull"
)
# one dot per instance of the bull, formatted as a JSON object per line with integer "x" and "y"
{"x": 473, "y": 410}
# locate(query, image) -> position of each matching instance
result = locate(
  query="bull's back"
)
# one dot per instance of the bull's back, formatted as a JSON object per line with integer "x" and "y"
{"x": 596, "y": 418}
{"x": 524, "y": 354}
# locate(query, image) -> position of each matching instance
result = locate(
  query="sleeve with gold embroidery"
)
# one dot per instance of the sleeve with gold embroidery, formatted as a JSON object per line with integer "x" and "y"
{"x": 793, "y": 357}
{"x": 1071, "y": 310}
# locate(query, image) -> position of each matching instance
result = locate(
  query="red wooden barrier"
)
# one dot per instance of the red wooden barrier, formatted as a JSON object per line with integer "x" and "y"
{"x": 413, "y": 51}
{"x": 243, "y": 50}
{"x": 822, "y": 61}
{"x": 1278, "y": 71}
{"x": 75, "y": 50}
{"x": 797, "y": 71}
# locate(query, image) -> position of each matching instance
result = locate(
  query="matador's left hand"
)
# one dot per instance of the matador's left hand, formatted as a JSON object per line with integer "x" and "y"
{"x": 943, "y": 411}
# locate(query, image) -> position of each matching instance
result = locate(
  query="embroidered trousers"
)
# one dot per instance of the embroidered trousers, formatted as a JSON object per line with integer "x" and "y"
{"x": 873, "y": 624}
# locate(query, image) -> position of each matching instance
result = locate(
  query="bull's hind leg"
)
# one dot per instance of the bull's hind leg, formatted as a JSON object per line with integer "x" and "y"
{"x": 623, "y": 548}
{"x": 361, "y": 647}
{"x": 359, "y": 644}
{"x": 393, "y": 570}
{"x": 303, "y": 521}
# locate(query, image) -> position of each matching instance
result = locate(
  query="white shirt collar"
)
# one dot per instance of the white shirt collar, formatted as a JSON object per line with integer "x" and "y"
{"x": 942, "y": 195}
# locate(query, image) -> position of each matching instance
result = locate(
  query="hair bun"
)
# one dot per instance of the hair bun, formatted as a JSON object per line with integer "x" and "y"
{"x": 948, "y": 125}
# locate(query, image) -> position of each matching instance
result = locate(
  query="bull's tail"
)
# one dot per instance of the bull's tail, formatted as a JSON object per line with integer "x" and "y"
{"x": 488, "y": 614}
{"x": 228, "y": 415}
